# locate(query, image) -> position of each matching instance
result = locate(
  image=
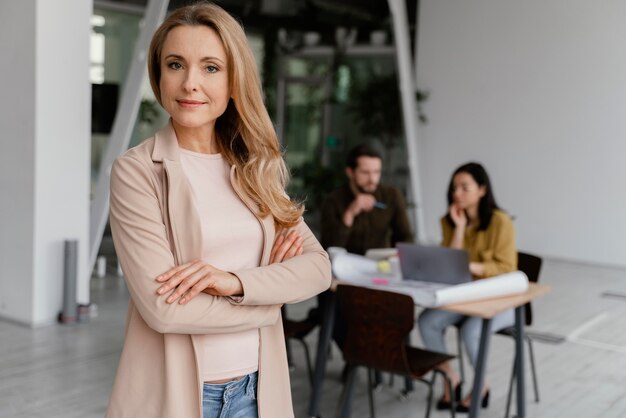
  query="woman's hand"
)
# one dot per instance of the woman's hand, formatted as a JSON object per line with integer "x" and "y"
{"x": 458, "y": 215}
{"x": 287, "y": 244}
{"x": 189, "y": 279}
{"x": 477, "y": 269}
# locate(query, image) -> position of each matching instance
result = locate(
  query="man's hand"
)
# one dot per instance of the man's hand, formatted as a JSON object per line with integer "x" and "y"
{"x": 363, "y": 202}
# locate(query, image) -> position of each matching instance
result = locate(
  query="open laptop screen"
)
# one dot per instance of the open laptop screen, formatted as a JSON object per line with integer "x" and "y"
{"x": 433, "y": 264}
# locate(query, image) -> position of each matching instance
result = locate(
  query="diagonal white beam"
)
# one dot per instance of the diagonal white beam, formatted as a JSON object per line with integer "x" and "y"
{"x": 123, "y": 124}
{"x": 409, "y": 107}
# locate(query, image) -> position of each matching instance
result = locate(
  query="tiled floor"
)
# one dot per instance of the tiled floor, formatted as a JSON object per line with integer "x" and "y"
{"x": 67, "y": 371}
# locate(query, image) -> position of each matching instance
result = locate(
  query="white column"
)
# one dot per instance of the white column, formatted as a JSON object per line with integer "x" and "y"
{"x": 409, "y": 107}
{"x": 44, "y": 153}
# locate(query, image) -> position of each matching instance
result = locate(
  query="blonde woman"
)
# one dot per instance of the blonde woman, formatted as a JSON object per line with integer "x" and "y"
{"x": 209, "y": 243}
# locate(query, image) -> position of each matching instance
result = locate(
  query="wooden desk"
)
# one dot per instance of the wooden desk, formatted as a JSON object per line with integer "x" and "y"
{"x": 485, "y": 309}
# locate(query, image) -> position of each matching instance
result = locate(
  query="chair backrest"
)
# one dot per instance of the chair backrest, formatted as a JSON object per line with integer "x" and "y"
{"x": 531, "y": 266}
{"x": 378, "y": 324}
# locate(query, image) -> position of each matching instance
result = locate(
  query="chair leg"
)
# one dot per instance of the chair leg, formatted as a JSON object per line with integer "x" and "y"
{"x": 447, "y": 381}
{"x": 532, "y": 367}
{"x": 378, "y": 379}
{"x": 372, "y": 376}
{"x": 509, "y": 395}
{"x": 308, "y": 361}
{"x": 429, "y": 399}
{"x": 343, "y": 409}
{"x": 460, "y": 349}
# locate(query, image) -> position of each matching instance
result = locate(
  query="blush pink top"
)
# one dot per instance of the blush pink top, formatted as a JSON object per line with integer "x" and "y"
{"x": 232, "y": 239}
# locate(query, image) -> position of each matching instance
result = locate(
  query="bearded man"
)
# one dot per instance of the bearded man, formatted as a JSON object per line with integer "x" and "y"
{"x": 364, "y": 214}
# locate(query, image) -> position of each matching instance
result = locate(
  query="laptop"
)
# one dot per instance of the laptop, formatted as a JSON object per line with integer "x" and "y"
{"x": 442, "y": 265}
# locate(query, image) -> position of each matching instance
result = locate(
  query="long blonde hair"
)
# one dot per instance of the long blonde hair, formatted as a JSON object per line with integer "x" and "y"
{"x": 245, "y": 134}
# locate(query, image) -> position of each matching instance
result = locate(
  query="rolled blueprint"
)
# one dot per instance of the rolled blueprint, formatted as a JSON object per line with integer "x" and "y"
{"x": 430, "y": 296}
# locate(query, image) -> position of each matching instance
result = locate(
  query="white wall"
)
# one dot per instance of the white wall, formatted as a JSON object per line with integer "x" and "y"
{"x": 45, "y": 153}
{"x": 535, "y": 90}
{"x": 17, "y": 144}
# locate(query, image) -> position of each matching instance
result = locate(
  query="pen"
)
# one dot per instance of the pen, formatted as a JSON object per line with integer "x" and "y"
{"x": 380, "y": 205}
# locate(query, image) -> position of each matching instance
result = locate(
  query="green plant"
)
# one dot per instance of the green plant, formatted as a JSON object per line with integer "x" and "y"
{"x": 316, "y": 181}
{"x": 377, "y": 109}
{"x": 148, "y": 111}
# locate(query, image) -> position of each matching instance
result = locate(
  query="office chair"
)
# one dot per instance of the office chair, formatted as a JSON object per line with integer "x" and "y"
{"x": 531, "y": 266}
{"x": 298, "y": 330}
{"x": 378, "y": 325}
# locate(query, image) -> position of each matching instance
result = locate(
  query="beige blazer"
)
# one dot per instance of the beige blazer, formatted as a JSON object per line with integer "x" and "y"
{"x": 156, "y": 227}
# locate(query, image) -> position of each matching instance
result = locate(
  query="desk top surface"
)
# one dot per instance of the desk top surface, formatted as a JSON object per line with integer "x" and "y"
{"x": 489, "y": 308}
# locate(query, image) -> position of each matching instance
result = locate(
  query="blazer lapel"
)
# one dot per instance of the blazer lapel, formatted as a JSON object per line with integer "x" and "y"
{"x": 182, "y": 215}
{"x": 181, "y": 211}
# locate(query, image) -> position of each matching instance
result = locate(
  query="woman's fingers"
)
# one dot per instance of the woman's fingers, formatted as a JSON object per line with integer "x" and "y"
{"x": 177, "y": 279}
{"x": 190, "y": 280}
{"x": 168, "y": 274}
{"x": 280, "y": 238}
{"x": 286, "y": 248}
{"x": 196, "y": 289}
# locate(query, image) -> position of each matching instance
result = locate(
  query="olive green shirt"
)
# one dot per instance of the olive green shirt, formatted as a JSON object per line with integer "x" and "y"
{"x": 494, "y": 246}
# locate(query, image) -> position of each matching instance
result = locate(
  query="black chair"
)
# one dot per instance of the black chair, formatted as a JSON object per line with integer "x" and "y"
{"x": 531, "y": 266}
{"x": 298, "y": 330}
{"x": 378, "y": 326}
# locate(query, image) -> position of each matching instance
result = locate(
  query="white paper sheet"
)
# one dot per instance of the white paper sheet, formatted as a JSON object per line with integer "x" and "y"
{"x": 357, "y": 269}
{"x": 362, "y": 271}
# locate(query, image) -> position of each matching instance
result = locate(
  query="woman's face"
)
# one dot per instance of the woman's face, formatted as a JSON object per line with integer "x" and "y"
{"x": 194, "y": 76}
{"x": 466, "y": 192}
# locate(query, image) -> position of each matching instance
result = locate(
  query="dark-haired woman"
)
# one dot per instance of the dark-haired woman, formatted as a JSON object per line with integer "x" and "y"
{"x": 476, "y": 224}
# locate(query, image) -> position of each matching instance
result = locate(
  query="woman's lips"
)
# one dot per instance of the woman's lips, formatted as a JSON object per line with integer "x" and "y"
{"x": 190, "y": 104}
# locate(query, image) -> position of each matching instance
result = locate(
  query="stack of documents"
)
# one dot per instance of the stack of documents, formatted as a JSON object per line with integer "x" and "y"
{"x": 362, "y": 271}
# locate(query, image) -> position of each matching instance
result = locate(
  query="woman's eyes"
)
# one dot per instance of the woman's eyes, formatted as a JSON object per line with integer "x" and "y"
{"x": 174, "y": 65}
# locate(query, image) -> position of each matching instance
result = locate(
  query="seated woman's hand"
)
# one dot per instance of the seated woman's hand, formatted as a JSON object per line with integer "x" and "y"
{"x": 189, "y": 279}
{"x": 457, "y": 213}
{"x": 288, "y": 244}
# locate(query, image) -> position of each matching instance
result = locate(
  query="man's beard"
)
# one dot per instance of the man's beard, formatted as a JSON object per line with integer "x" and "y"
{"x": 372, "y": 186}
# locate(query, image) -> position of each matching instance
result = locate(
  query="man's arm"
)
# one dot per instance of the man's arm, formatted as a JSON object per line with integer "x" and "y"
{"x": 400, "y": 226}
{"x": 334, "y": 232}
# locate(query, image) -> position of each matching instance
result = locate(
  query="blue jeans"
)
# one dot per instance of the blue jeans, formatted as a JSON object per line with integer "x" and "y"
{"x": 433, "y": 323}
{"x": 235, "y": 399}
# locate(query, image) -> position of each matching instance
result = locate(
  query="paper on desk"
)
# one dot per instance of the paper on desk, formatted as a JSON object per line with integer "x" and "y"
{"x": 360, "y": 270}
{"x": 503, "y": 285}
{"x": 365, "y": 272}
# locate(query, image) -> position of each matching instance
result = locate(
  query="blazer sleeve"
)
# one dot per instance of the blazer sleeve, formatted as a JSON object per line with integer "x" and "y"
{"x": 446, "y": 232}
{"x": 503, "y": 253}
{"x": 141, "y": 243}
{"x": 291, "y": 281}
